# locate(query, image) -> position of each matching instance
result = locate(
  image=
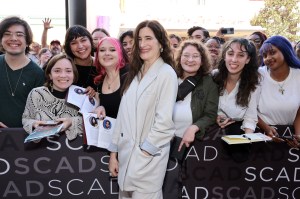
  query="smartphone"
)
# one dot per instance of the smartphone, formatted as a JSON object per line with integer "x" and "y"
{"x": 237, "y": 119}
{"x": 227, "y": 31}
{"x": 231, "y": 119}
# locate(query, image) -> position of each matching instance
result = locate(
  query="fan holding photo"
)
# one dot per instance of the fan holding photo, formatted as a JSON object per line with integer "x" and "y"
{"x": 47, "y": 103}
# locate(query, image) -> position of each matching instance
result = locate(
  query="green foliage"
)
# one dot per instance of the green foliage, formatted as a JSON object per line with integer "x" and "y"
{"x": 279, "y": 17}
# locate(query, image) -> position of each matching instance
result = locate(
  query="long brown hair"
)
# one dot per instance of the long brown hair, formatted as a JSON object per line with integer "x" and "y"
{"x": 136, "y": 62}
{"x": 249, "y": 78}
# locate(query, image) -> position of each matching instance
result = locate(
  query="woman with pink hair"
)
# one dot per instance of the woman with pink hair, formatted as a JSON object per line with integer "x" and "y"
{"x": 110, "y": 64}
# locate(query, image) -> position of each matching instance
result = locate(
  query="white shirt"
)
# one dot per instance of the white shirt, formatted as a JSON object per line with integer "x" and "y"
{"x": 275, "y": 108}
{"x": 182, "y": 114}
{"x": 228, "y": 107}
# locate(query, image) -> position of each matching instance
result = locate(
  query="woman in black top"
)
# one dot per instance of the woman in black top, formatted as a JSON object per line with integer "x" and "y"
{"x": 78, "y": 45}
{"x": 110, "y": 63}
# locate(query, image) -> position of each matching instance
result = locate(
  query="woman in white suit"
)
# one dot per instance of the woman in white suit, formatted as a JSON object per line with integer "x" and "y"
{"x": 144, "y": 127}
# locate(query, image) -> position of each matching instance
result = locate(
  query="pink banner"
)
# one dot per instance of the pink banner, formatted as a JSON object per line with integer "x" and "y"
{"x": 103, "y": 22}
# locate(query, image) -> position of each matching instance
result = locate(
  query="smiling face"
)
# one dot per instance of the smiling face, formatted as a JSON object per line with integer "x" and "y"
{"x": 148, "y": 45}
{"x": 55, "y": 48}
{"x": 236, "y": 57}
{"x": 62, "y": 75}
{"x": 14, "y": 40}
{"x": 190, "y": 61}
{"x": 108, "y": 55}
{"x": 274, "y": 58}
{"x": 81, "y": 47}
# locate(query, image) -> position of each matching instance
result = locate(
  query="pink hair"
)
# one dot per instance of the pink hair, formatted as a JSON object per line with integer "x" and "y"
{"x": 121, "y": 61}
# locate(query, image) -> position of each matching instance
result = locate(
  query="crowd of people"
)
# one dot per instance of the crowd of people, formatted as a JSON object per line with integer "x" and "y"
{"x": 155, "y": 84}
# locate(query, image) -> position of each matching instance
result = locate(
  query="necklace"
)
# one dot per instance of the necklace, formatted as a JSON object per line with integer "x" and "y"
{"x": 109, "y": 84}
{"x": 281, "y": 89}
{"x": 11, "y": 90}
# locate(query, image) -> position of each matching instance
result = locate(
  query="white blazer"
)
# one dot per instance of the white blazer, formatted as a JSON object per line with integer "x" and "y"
{"x": 145, "y": 122}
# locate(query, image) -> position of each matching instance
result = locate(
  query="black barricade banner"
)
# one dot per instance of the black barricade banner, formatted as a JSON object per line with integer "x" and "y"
{"x": 265, "y": 171}
{"x": 58, "y": 168}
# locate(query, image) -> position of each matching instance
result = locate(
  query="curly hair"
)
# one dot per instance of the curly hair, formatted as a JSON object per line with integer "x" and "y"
{"x": 205, "y": 58}
{"x": 249, "y": 77}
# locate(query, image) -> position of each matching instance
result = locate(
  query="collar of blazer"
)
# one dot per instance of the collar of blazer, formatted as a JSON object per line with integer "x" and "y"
{"x": 149, "y": 76}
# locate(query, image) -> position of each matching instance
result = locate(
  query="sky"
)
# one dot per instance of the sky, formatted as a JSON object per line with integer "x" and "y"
{"x": 32, "y": 7}
{"x": 34, "y": 11}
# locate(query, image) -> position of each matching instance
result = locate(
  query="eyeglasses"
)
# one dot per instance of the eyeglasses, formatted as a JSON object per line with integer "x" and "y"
{"x": 257, "y": 41}
{"x": 194, "y": 57}
{"x": 17, "y": 34}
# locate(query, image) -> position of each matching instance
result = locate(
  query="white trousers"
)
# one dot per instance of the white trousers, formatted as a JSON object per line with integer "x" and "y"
{"x": 138, "y": 195}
